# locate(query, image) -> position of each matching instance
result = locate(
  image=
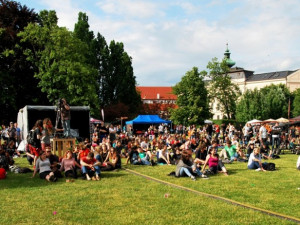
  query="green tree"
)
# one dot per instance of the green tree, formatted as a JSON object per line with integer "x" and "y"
{"x": 63, "y": 71}
{"x": 116, "y": 83}
{"x": 117, "y": 80}
{"x": 296, "y": 103}
{"x": 269, "y": 102}
{"x": 192, "y": 99}
{"x": 221, "y": 89}
{"x": 18, "y": 84}
{"x": 249, "y": 106}
{"x": 275, "y": 100}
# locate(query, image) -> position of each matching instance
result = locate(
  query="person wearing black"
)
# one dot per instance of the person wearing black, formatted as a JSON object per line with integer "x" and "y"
{"x": 133, "y": 156}
{"x": 250, "y": 149}
{"x": 65, "y": 117}
{"x": 276, "y": 131}
{"x": 201, "y": 153}
{"x": 176, "y": 155}
{"x": 54, "y": 161}
{"x": 102, "y": 132}
{"x": 265, "y": 151}
{"x": 35, "y": 146}
{"x": 12, "y": 132}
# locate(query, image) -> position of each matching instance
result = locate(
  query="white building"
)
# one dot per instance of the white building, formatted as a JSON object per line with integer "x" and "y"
{"x": 247, "y": 80}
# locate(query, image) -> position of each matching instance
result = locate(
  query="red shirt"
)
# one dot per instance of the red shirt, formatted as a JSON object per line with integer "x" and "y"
{"x": 83, "y": 153}
{"x": 89, "y": 161}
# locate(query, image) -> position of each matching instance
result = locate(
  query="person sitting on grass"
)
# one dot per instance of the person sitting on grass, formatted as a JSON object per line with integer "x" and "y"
{"x": 254, "y": 161}
{"x": 112, "y": 161}
{"x": 54, "y": 161}
{"x": 250, "y": 149}
{"x": 83, "y": 151}
{"x": 230, "y": 151}
{"x": 90, "y": 167}
{"x": 201, "y": 153}
{"x": 42, "y": 166}
{"x": 11, "y": 149}
{"x": 133, "y": 156}
{"x": 265, "y": 151}
{"x": 187, "y": 167}
{"x": 163, "y": 156}
{"x": 68, "y": 165}
{"x": 214, "y": 163}
{"x": 176, "y": 154}
{"x": 145, "y": 156}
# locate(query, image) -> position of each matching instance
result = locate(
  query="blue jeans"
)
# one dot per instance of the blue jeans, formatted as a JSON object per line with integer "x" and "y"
{"x": 66, "y": 126}
{"x": 87, "y": 170}
{"x": 254, "y": 165}
{"x": 185, "y": 171}
{"x": 235, "y": 156}
{"x": 144, "y": 161}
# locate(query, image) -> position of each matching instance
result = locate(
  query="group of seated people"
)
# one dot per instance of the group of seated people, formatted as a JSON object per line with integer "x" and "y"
{"x": 90, "y": 163}
{"x": 193, "y": 156}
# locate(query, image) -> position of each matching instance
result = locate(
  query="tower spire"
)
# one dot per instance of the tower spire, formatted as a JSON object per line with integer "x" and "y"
{"x": 230, "y": 63}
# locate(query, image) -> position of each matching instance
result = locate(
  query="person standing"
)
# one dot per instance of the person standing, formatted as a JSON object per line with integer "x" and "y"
{"x": 263, "y": 133}
{"x": 12, "y": 132}
{"x": 35, "y": 146}
{"x": 276, "y": 131}
{"x": 102, "y": 132}
{"x": 18, "y": 131}
{"x": 65, "y": 117}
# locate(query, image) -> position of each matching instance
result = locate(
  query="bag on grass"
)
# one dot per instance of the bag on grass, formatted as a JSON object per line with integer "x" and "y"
{"x": 24, "y": 170}
{"x": 269, "y": 166}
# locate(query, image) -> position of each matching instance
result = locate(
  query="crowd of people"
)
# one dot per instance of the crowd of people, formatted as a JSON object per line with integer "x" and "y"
{"x": 196, "y": 151}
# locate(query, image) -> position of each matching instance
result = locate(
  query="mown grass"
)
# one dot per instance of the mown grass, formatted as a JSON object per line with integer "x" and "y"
{"x": 123, "y": 198}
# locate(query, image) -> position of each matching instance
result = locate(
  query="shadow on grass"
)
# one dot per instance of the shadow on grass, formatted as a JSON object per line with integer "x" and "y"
{"x": 22, "y": 181}
{"x": 25, "y": 181}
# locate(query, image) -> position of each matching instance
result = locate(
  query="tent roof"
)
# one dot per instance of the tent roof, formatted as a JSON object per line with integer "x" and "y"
{"x": 295, "y": 119}
{"x": 147, "y": 119}
{"x": 43, "y": 107}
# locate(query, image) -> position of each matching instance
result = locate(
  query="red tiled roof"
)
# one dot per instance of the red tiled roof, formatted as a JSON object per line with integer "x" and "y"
{"x": 151, "y": 93}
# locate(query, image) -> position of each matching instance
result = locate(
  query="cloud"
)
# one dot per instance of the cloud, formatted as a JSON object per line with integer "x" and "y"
{"x": 67, "y": 12}
{"x": 129, "y": 8}
{"x": 168, "y": 38}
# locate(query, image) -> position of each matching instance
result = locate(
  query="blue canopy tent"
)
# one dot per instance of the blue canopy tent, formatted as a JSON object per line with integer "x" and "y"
{"x": 147, "y": 119}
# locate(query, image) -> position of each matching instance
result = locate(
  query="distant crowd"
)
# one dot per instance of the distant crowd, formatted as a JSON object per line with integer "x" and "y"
{"x": 196, "y": 151}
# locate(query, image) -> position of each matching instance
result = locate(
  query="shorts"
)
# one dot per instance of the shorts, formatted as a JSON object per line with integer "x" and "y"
{"x": 43, "y": 175}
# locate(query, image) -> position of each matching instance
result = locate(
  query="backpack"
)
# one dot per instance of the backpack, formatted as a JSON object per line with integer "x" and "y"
{"x": 30, "y": 138}
{"x": 270, "y": 167}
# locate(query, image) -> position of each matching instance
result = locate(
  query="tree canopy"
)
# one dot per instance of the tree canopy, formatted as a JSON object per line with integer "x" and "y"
{"x": 222, "y": 90}
{"x": 18, "y": 85}
{"x": 192, "y": 99}
{"x": 269, "y": 102}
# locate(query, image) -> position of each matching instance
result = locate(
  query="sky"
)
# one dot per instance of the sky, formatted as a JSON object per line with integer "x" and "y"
{"x": 167, "y": 38}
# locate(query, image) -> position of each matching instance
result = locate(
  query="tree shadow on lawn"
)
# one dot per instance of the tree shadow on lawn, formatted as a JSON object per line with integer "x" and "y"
{"x": 25, "y": 181}
{"x": 22, "y": 181}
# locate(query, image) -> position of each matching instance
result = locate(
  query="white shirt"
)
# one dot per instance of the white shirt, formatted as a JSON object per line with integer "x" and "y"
{"x": 252, "y": 157}
{"x": 298, "y": 163}
{"x": 263, "y": 132}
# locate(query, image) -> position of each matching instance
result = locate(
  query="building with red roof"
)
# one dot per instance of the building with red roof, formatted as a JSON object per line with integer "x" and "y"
{"x": 162, "y": 95}
{"x": 157, "y": 100}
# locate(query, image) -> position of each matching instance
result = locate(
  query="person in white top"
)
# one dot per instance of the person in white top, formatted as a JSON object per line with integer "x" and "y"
{"x": 298, "y": 163}
{"x": 255, "y": 160}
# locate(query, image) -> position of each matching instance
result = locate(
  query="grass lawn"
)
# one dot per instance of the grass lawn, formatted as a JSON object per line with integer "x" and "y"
{"x": 124, "y": 198}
